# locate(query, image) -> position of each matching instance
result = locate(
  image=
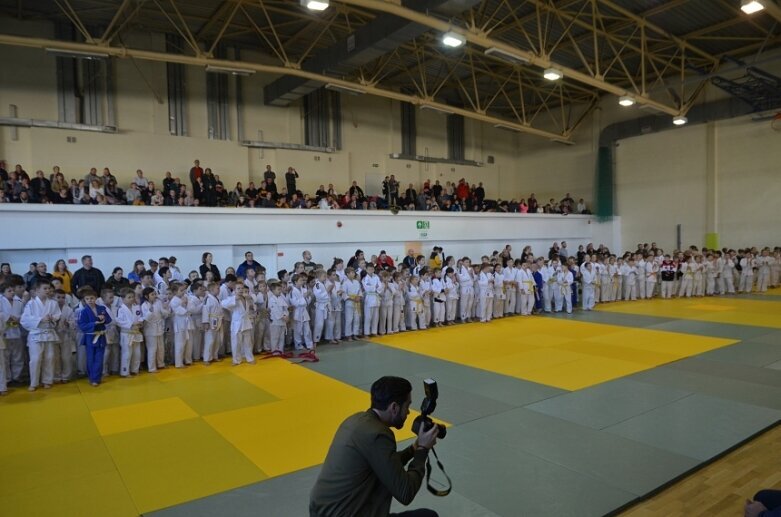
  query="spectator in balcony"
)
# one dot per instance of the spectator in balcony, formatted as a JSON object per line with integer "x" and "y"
{"x": 171, "y": 199}
{"x": 436, "y": 190}
{"x": 133, "y": 196}
{"x": 269, "y": 175}
{"x": 290, "y": 180}
{"x": 393, "y": 191}
{"x": 480, "y": 193}
{"x": 168, "y": 181}
{"x": 331, "y": 190}
{"x": 421, "y": 201}
{"x": 58, "y": 181}
{"x": 356, "y": 191}
{"x": 296, "y": 202}
{"x": 3, "y": 171}
{"x": 220, "y": 196}
{"x": 195, "y": 172}
{"x": 157, "y": 199}
{"x": 209, "y": 188}
{"x": 62, "y": 197}
{"x": 532, "y": 204}
{"x": 114, "y": 195}
{"x": 106, "y": 177}
{"x": 40, "y": 187}
{"x": 146, "y": 195}
{"x": 353, "y": 204}
{"x": 462, "y": 190}
{"x": 410, "y": 195}
{"x": 581, "y": 207}
{"x": 96, "y": 188}
{"x": 236, "y": 194}
{"x": 92, "y": 176}
{"x": 140, "y": 180}
{"x": 267, "y": 201}
{"x": 523, "y": 207}
{"x": 321, "y": 193}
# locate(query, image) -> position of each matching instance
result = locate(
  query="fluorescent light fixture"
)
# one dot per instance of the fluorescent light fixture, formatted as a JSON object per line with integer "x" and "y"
{"x": 315, "y": 5}
{"x": 553, "y": 74}
{"x": 453, "y": 39}
{"x": 508, "y": 128}
{"x": 345, "y": 89}
{"x": 229, "y": 70}
{"x": 506, "y": 56}
{"x": 680, "y": 120}
{"x": 436, "y": 108}
{"x": 79, "y": 54}
{"x": 626, "y": 101}
{"x": 751, "y": 6}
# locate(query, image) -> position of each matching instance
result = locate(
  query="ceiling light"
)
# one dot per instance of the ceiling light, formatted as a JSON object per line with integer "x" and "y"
{"x": 453, "y": 39}
{"x": 506, "y": 56}
{"x": 751, "y": 6}
{"x": 436, "y": 108}
{"x": 79, "y": 54}
{"x": 315, "y": 5}
{"x": 626, "y": 101}
{"x": 507, "y": 127}
{"x": 680, "y": 120}
{"x": 229, "y": 70}
{"x": 350, "y": 90}
{"x": 552, "y": 74}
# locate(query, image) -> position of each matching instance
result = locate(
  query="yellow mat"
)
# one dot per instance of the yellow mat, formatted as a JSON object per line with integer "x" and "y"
{"x": 721, "y": 309}
{"x": 565, "y": 354}
{"x": 145, "y": 443}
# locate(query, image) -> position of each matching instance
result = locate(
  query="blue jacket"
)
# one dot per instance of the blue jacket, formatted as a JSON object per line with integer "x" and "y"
{"x": 89, "y": 325}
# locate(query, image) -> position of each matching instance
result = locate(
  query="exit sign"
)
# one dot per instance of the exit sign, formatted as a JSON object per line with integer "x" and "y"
{"x": 422, "y": 225}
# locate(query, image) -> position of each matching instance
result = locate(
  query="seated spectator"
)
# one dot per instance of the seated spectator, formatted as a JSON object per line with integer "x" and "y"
{"x": 581, "y": 208}
{"x": 114, "y": 195}
{"x": 157, "y": 199}
{"x": 133, "y": 196}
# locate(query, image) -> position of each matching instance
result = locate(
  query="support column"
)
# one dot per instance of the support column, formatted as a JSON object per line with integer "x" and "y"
{"x": 711, "y": 187}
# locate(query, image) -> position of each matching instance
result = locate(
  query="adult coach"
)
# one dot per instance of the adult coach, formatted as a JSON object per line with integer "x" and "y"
{"x": 363, "y": 469}
{"x": 88, "y": 275}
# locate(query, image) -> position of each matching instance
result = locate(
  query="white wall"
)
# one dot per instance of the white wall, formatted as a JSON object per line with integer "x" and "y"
{"x": 117, "y": 236}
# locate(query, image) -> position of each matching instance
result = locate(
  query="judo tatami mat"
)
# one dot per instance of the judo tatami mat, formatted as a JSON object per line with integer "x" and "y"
{"x": 557, "y": 352}
{"x": 140, "y": 444}
{"x": 247, "y": 440}
{"x": 737, "y": 310}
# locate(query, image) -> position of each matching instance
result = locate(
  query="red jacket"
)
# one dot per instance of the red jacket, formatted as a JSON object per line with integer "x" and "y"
{"x": 462, "y": 191}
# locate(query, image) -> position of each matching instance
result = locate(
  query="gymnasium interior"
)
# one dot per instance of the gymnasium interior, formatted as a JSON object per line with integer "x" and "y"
{"x": 662, "y": 117}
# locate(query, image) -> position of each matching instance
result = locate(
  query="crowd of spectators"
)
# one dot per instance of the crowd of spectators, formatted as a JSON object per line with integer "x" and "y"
{"x": 205, "y": 188}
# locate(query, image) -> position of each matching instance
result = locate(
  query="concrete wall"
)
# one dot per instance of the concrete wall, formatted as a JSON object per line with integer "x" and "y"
{"x": 117, "y": 235}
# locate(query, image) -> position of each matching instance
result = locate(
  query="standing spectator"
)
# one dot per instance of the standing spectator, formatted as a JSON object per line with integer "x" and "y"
{"x": 308, "y": 264}
{"x": 436, "y": 190}
{"x": 355, "y": 259}
{"x": 581, "y": 208}
{"x": 269, "y": 175}
{"x": 568, "y": 203}
{"x": 462, "y": 190}
{"x": 410, "y": 195}
{"x": 116, "y": 282}
{"x": 410, "y": 260}
{"x": 30, "y": 275}
{"x": 563, "y": 251}
{"x": 393, "y": 190}
{"x": 195, "y": 172}
{"x": 479, "y": 193}
{"x": 206, "y": 266}
{"x": 356, "y": 191}
{"x": 290, "y": 180}
{"x": 65, "y": 276}
{"x": 249, "y": 262}
{"x": 88, "y": 275}
{"x": 384, "y": 261}
{"x": 40, "y": 187}
{"x": 532, "y": 204}
{"x": 209, "y": 188}
{"x": 168, "y": 183}
{"x": 40, "y": 274}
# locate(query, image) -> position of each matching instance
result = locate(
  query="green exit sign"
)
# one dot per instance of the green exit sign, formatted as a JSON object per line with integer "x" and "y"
{"x": 423, "y": 225}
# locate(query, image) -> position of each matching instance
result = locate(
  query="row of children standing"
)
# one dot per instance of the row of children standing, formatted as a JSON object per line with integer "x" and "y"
{"x": 161, "y": 322}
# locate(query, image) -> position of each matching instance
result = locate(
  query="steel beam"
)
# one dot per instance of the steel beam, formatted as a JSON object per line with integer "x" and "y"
{"x": 124, "y": 52}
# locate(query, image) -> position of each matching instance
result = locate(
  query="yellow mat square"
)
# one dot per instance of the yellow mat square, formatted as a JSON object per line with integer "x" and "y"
{"x": 93, "y": 494}
{"x": 123, "y": 391}
{"x": 738, "y": 311}
{"x": 577, "y": 355}
{"x": 53, "y": 465}
{"x": 29, "y": 423}
{"x": 178, "y": 462}
{"x": 219, "y": 392}
{"x": 145, "y": 414}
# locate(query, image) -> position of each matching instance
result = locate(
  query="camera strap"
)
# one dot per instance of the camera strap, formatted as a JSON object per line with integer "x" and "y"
{"x": 436, "y": 492}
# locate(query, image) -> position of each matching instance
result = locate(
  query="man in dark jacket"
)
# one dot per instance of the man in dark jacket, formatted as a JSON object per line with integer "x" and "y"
{"x": 88, "y": 275}
{"x": 363, "y": 469}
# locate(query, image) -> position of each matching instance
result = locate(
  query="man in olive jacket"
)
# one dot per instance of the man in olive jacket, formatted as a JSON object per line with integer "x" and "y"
{"x": 363, "y": 469}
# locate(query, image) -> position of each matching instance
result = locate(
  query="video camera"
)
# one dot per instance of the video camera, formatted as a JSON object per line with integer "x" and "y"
{"x": 426, "y": 408}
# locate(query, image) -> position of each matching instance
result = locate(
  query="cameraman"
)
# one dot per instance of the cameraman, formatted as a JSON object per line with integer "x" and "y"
{"x": 363, "y": 469}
